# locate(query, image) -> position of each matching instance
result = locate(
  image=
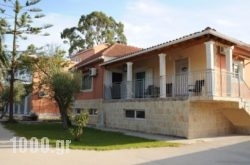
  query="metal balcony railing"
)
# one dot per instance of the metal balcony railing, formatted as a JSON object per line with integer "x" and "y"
{"x": 199, "y": 83}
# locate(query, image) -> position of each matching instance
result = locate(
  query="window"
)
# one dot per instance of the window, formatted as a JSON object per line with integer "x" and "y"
{"x": 130, "y": 113}
{"x": 139, "y": 114}
{"x": 77, "y": 110}
{"x": 86, "y": 82}
{"x": 93, "y": 111}
{"x": 237, "y": 69}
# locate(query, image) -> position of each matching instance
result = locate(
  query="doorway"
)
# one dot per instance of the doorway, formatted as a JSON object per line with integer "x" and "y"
{"x": 116, "y": 85}
{"x": 140, "y": 84}
{"x": 181, "y": 77}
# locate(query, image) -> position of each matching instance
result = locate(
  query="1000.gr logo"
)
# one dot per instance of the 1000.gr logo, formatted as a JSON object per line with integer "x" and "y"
{"x": 34, "y": 145}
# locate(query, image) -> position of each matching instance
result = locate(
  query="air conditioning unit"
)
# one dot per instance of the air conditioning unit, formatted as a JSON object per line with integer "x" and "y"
{"x": 92, "y": 71}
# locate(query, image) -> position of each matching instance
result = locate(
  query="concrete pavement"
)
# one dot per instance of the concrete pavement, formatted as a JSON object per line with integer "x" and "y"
{"x": 220, "y": 150}
{"x": 5, "y": 134}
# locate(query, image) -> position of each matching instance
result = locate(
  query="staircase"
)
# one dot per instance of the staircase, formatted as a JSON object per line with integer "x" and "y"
{"x": 239, "y": 117}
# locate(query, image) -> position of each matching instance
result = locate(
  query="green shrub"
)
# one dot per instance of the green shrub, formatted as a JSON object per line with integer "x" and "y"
{"x": 78, "y": 123}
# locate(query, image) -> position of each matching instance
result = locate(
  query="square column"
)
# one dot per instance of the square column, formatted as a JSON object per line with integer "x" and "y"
{"x": 229, "y": 66}
{"x": 210, "y": 78}
{"x": 162, "y": 61}
{"x": 25, "y": 111}
{"x": 129, "y": 80}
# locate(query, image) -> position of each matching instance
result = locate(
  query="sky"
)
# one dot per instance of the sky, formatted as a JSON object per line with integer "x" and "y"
{"x": 149, "y": 22}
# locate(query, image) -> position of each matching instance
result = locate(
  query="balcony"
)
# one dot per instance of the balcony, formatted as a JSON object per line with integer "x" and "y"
{"x": 207, "y": 84}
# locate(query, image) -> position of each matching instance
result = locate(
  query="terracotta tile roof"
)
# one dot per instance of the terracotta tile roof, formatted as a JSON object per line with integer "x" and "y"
{"x": 118, "y": 50}
{"x": 95, "y": 49}
{"x": 206, "y": 31}
{"x": 114, "y": 50}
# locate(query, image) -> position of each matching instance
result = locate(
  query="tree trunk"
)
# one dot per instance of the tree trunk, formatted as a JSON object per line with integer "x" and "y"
{"x": 13, "y": 68}
{"x": 64, "y": 121}
{"x": 11, "y": 95}
{"x": 64, "y": 114}
{"x": 64, "y": 117}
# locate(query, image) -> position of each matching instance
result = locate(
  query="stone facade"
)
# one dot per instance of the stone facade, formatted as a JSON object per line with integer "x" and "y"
{"x": 181, "y": 118}
{"x": 91, "y": 104}
{"x": 206, "y": 119}
{"x": 161, "y": 116}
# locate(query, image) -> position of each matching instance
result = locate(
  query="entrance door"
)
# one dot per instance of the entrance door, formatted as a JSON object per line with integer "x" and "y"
{"x": 116, "y": 85}
{"x": 139, "y": 84}
{"x": 181, "y": 77}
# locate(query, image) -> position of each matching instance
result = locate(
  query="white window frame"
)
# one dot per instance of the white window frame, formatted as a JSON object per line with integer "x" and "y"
{"x": 240, "y": 74}
{"x": 91, "y": 88}
{"x": 135, "y": 114}
{"x": 93, "y": 111}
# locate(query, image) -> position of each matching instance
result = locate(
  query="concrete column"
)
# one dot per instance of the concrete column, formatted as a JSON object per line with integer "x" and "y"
{"x": 129, "y": 80}
{"x": 162, "y": 61}
{"x": 229, "y": 66}
{"x": 18, "y": 108}
{"x": 210, "y": 78}
{"x": 25, "y": 105}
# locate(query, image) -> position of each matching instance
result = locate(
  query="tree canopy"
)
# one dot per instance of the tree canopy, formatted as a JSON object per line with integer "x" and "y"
{"x": 93, "y": 29}
{"x": 64, "y": 86}
{"x": 19, "y": 24}
{"x": 51, "y": 68}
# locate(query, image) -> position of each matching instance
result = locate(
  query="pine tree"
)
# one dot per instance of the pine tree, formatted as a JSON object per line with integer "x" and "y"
{"x": 22, "y": 14}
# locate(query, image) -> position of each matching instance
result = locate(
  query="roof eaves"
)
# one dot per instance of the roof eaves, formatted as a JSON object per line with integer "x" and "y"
{"x": 178, "y": 40}
{"x": 89, "y": 62}
{"x": 172, "y": 42}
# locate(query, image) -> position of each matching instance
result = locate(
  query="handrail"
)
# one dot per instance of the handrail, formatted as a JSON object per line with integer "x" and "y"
{"x": 213, "y": 82}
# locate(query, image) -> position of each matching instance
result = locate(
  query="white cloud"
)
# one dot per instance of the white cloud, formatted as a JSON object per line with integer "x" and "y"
{"x": 151, "y": 22}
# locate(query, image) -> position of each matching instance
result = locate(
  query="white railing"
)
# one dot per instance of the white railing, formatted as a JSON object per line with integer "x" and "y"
{"x": 199, "y": 83}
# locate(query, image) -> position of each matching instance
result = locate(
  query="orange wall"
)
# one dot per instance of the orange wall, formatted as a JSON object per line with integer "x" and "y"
{"x": 196, "y": 55}
{"x": 97, "y": 88}
{"x": 246, "y": 72}
{"x": 42, "y": 105}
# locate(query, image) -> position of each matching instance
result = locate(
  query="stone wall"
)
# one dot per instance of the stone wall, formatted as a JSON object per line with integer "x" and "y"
{"x": 182, "y": 118}
{"x": 87, "y": 104}
{"x": 161, "y": 116}
{"x": 206, "y": 119}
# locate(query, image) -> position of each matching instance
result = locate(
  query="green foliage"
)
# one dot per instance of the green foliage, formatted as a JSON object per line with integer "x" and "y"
{"x": 93, "y": 29}
{"x": 19, "y": 93}
{"x": 22, "y": 16}
{"x": 64, "y": 85}
{"x": 49, "y": 62}
{"x": 78, "y": 123}
{"x": 93, "y": 139}
{"x": 50, "y": 66}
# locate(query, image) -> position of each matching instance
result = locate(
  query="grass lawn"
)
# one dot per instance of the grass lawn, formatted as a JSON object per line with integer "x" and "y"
{"x": 92, "y": 139}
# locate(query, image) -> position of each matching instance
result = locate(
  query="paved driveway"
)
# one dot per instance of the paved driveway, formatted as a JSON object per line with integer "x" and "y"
{"x": 215, "y": 151}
